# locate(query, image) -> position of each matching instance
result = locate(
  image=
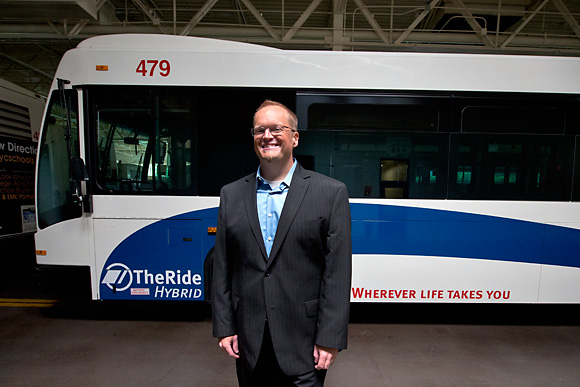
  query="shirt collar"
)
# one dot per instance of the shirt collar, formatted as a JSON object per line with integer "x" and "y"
{"x": 286, "y": 180}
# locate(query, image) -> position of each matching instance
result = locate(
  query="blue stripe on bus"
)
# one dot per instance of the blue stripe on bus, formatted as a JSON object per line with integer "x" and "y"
{"x": 398, "y": 230}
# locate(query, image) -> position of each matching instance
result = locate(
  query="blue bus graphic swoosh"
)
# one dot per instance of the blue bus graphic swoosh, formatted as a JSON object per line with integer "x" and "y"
{"x": 376, "y": 229}
{"x": 398, "y": 230}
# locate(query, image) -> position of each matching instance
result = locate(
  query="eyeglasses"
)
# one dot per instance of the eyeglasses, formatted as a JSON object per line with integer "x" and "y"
{"x": 259, "y": 131}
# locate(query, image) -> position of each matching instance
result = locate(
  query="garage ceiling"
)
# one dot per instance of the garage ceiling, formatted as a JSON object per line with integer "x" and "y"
{"x": 34, "y": 34}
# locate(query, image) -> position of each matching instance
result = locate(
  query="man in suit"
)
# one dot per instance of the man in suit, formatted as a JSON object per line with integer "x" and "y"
{"x": 282, "y": 263}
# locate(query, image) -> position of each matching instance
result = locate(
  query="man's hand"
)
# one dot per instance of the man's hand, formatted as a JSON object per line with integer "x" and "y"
{"x": 229, "y": 345}
{"x": 324, "y": 357}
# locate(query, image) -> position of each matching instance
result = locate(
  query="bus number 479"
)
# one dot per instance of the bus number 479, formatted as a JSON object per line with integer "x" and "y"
{"x": 149, "y": 67}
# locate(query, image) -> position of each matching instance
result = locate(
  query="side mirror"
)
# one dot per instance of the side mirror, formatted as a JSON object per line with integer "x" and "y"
{"x": 78, "y": 169}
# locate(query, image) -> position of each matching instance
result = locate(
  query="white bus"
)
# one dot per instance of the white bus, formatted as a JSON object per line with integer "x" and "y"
{"x": 20, "y": 117}
{"x": 20, "y": 111}
{"x": 462, "y": 169}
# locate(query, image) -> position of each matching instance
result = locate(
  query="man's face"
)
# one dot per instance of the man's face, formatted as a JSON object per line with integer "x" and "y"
{"x": 274, "y": 147}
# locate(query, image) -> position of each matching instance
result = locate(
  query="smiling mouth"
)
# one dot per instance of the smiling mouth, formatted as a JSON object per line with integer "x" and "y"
{"x": 270, "y": 146}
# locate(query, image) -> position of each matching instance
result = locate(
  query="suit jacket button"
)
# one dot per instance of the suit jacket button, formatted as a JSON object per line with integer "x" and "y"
{"x": 267, "y": 274}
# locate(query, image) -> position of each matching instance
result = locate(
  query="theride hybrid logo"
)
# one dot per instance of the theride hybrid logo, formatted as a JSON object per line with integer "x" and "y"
{"x": 173, "y": 284}
{"x": 118, "y": 277}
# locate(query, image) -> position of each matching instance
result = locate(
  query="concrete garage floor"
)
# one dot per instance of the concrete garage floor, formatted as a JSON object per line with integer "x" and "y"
{"x": 100, "y": 344}
{"x": 84, "y": 343}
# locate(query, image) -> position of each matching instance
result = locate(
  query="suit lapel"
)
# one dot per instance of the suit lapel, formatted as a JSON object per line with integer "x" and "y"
{"x": 251, "y": 206}
{"x": 298, "y": 188}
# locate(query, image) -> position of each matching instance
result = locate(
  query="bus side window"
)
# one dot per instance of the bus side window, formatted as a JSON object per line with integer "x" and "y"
{"x": 379, "y": 146}
{"x": 145, "y": 141}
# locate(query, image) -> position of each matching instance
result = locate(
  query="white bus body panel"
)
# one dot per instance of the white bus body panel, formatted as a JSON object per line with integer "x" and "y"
{"x": 559, "y": 285}
{"x": 148, "y": 207}
{"x": 65, "y": 243}
{"x": 207, "y": 62}
{"x": 443, "y": 279}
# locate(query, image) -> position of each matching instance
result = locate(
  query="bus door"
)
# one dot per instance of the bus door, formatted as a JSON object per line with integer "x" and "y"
{"x": 149, "y": 239}
{"x": 63, "y": 208}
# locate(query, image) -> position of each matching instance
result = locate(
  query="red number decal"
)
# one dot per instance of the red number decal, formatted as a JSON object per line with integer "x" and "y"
{"x": 141, "y": 68}
{"x": 149, "y": 66}
{"x": 164, "y": 68}
{"x": 154, "y": 63}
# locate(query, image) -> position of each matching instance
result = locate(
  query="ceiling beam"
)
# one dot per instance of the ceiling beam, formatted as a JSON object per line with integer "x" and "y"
{"x": 78, "y": 28}
{"x": 538, "y": 8}
{"x": 107, "y": 12}
{"x": 55, "y": 29}
{"x": 261, "y": 20}
{"x": 311, "y": 36}
{"x": 568, "y": 16}
{"x": 92, "y": 7}
{"x": 371, "y": 20}
{"x": 470, "y": 19}
{"x": 292, "y": 31}
{"x": 25, "y": 65}
{"x": 151, "y": 14}
{"x": 237, "y": 8}
{"x": 422, "y": 15}
{"x": 198, "y": 16}
{"x": 338, "y": 20}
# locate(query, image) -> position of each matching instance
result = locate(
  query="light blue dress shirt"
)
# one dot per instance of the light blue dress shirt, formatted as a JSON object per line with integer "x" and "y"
{"x": 270, "y": 203}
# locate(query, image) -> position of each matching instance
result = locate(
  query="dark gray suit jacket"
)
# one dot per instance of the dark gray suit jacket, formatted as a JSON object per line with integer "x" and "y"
{"x": 303, "y": 289}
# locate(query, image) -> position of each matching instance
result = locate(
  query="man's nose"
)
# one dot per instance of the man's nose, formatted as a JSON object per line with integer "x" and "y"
{"x": 267, "y": 133}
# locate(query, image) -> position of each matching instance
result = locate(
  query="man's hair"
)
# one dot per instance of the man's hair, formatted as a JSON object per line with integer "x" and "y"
{"x": 292, "y": 119}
